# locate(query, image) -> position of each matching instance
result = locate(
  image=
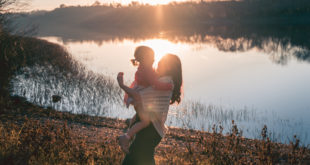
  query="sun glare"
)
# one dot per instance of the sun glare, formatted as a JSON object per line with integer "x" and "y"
{"x": 162, "y": 47}
{"x": 153, "y": 2}
{"x": 50, "y": 5}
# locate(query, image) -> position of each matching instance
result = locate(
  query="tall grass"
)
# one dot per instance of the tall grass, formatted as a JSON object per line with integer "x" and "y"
{"x": 201, "y": 116}
{"x": 18, "y": 52}
{"x": 85, "y": 93}
{"x": 52, "y": 66}
{"x": 98, "y": 95}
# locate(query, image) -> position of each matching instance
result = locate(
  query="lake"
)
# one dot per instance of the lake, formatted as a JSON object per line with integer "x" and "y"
{"x": 225, "y": 79}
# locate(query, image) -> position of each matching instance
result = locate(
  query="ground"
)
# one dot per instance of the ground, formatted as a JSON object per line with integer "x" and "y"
{"x": 43, "y": 135}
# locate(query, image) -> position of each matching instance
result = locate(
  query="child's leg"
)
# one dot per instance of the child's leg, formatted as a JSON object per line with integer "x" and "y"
{"x": 132, "y": 121}
{"x": 124, "y": 140}
{"x": 137, "y": 127}
{"x": 144, "y": 120}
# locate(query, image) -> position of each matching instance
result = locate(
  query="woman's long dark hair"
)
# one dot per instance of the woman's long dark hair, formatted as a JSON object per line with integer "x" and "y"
{"x": 175, "y": 72}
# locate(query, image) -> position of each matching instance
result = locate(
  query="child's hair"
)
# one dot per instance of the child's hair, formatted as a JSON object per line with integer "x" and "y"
{"x": 176, "y": 73}
{"x": 143, "y": 53}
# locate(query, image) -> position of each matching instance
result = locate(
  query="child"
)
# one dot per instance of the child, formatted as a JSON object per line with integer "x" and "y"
{"x": 145, "y": 76}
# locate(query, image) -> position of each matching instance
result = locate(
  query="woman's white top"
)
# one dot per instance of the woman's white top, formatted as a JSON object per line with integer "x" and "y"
{"x": 156, "y": 104}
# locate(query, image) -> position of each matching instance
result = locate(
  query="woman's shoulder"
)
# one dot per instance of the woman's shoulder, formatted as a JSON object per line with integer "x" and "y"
{"x": 164, "y": 79}
{"x": 167, "y": 79}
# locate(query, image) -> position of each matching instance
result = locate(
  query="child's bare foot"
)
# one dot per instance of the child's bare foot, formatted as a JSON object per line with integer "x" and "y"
{"x": 124, "y": 141}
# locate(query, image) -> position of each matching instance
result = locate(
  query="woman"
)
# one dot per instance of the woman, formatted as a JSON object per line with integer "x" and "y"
{"x": 156, "y": 103}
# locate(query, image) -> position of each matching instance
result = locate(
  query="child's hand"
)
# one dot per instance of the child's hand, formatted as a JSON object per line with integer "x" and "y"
{"x": 120, "y": 79}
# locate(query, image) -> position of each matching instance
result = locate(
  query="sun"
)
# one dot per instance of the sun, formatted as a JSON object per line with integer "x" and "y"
{"x": 161, "y": 47}
{"x": 155, "y": 2}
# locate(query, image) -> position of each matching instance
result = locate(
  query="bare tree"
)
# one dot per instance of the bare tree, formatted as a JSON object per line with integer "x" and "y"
{"x": 5, "y": 6}
{"x": 97, "y": 3}
{"x": 12, "y": 5}
{"x": 6, "y": 18}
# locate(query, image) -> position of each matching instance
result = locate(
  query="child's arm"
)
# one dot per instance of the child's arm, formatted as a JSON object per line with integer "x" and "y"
{"x": 152, "y": 79}
{"x": 134, "y": 94}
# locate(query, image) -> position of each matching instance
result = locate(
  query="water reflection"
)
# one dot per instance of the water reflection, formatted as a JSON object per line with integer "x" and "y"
{"x": 281, "y": 44}
{"x": 229, "y": 78}
{"x": 230, "y": 86}
{"x": 97, "y": 95}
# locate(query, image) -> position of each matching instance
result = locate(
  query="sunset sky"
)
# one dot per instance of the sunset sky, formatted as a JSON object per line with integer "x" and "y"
{"x": 50, "y": 5}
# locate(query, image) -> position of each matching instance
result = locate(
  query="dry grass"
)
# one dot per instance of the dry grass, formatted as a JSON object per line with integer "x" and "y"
{"x": 52, "y": 138}
{"x": 44, "y": 136}
{"x": 48, "y": 142}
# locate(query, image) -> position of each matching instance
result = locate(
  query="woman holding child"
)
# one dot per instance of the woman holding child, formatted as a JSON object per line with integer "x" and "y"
{"x": 151, "y": 94}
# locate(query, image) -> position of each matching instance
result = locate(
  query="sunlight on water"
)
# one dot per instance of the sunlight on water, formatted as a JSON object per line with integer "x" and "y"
{"x": 248, "y": 87}
{"x": 101, "y": 58}
{"x": 162, "y": 47}
{"x": 234, "y": 79}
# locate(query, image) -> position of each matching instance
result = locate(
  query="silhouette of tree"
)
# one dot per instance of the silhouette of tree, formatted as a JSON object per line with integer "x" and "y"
{"x": 62, "y": 6}
{"x": 7, "y": 6}
{"x": 97, "y": 3}
{"x": 233, "y": 25}
{"x": 134, "y": 3}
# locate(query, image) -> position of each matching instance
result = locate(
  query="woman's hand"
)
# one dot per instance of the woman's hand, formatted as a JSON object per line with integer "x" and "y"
{"x": 120, "y": 79}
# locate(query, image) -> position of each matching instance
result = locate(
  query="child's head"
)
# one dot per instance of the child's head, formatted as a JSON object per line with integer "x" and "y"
{"x": 143, "y": 55}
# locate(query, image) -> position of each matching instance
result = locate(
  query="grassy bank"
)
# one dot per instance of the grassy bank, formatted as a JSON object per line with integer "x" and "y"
{"x": 30, "y": 134}
{"x": 35, "y": 135}
{"x": 18, "y": 52}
